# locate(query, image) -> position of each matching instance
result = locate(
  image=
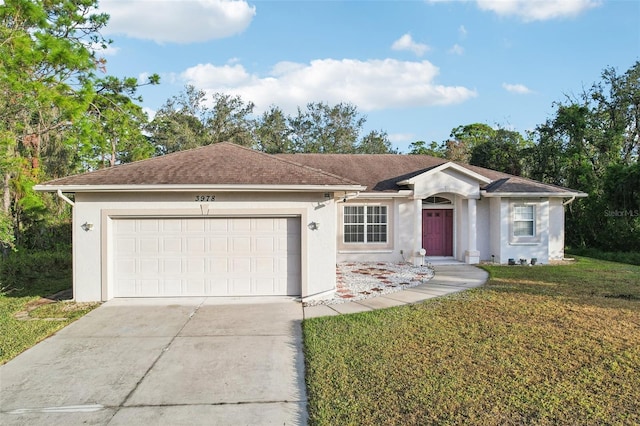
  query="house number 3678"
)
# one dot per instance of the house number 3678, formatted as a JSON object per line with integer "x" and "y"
{"x": 205, "y": 197}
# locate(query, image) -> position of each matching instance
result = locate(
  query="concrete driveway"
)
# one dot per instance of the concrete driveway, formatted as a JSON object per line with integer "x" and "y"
{"x": 175, "y": 362}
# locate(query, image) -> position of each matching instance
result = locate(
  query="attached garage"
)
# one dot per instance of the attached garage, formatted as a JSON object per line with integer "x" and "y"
{"x": 212, "y": 256}
{"x": 216, "y": 221}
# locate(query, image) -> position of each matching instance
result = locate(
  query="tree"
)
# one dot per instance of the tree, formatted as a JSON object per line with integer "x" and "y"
{"x": 110, "y": 132}
{"x": 187, "y": 121}
{"x": 48, "y": 88}
{"x": 46, "y": 68}
{"x": 502, "y": 152}
{"x": 325, "y": 129}
{"x": 591, "y": 144}
{"x": 230, "y": 120}
{"x": 375, "y": 142}
{"x": 420, "y": 148}
{"x": 464, "y": 138}
{"x": 272, "y": 132}
{"x": 180, "y": 123}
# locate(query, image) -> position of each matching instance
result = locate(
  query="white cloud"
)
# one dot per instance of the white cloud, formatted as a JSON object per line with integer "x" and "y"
{"x": 456, "y": 49}
{"x": 537, "y": 10}
{"x": 370, "y": 85}
{"x": 107, "y": 51}
{"x": 462, "y": 31}
{"x": 406, "y": 42}
{"x": 177, "y": 21}
{"x": 519, "y": 89}
{"x": 398, "y": 138}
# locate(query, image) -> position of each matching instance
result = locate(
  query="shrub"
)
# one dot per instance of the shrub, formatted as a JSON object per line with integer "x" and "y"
{"x": 24, "y": 272}
{"x": 631, "y": 258}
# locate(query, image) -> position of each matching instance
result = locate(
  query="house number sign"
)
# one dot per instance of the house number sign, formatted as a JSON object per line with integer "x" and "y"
{"x": 205, "y": 198}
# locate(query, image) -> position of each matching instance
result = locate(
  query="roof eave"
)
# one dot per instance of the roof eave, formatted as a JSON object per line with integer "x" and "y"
{"x": 486, "y": 194}
{"x": 395, "y": 194}
{"x": 197, "y": 188}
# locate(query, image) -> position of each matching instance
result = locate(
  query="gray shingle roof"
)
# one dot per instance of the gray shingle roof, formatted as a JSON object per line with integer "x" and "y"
{"x": 230, "y": 164}
{"x": 381, "y": 172}
{"x": 218, "y": 164}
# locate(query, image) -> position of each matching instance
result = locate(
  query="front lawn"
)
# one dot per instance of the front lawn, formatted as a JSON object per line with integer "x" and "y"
{"x": 535, "y": 345}
{"x": 25, "y": 279}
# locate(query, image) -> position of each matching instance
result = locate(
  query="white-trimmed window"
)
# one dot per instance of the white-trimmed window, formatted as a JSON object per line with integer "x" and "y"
{"x": 365, "y": 224}
{"x": 524, "y": 220}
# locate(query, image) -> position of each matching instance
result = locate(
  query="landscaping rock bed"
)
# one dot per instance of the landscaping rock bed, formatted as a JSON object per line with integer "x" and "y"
{"x": 362, "y": 280}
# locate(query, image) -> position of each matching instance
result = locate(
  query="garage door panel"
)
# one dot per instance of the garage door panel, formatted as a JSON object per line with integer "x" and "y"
{"x": 171, "y": 245}
{"x": 171, "y": 225}
{"x": 241, "y": 244}
{"x": 265, "y": 285}
{"x": 241, "y": 286}
{"x": 149, "y": 286}
{"x": 194, "y": 226}
{"x": 196, "y": 266}
{"x": 151, "y": 226}
{"x": 149, "y": 266}
{"x": 171, "y": 266}
{"x": 206, "y": 257}
{"x": 126, "y": 245}
{"x": 265, "y": 265}
{"x": 218, "y": 245}
{"x": 125, "y": 267}
{"x": 266, "y": 244}
{"x": 194, "y": 287}
{"x": 172, "y": 286}
{"x": 195, "y": 245}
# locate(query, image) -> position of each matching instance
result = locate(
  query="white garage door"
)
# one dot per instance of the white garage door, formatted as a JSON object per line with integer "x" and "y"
{"x": 171, "y": 257}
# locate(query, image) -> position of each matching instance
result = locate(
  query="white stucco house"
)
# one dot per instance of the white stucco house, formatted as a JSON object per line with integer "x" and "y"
{"x": 224, "y": 220}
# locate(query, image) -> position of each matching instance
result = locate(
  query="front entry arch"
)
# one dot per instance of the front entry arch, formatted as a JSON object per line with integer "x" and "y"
{"x": 437, "y": 232}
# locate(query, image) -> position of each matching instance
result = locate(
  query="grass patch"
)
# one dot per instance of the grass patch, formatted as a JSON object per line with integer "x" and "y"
{"x": 26, "y": 278}
{"x": 536, "y": 345}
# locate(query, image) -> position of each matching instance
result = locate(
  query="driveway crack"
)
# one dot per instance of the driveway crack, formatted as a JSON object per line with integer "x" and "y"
{"x": 161, "y": 353}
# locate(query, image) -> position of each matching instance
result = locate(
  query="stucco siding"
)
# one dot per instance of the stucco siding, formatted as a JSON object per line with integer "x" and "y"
{"x": 556, "y": 229}
{"x": 92, "y": 270}
{"x": 483, "y": 228}
{"x": 400, "y": 236}
{"x": 497, "y": 227}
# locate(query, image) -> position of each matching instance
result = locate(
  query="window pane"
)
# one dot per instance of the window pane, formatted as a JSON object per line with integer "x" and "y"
{"x": 354, "y": 214}
{"x": 377, "y": 233}
{"x": 354, "y": 233}
{"x": 523, "y": 229}
{"x": 523, "y": 213}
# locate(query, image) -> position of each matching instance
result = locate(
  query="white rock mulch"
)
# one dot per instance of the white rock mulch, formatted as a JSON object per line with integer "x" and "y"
{"x": 362, "y": 280}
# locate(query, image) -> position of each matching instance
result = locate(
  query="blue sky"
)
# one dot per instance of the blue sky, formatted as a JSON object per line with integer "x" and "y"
{"x": 415, "y": 69}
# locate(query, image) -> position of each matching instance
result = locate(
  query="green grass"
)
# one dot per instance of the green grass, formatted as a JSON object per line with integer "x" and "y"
{"x": 537, "y": 345}
{"x": 31, "y": 276}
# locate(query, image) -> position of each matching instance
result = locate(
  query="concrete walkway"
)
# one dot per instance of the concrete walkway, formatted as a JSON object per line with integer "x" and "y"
{"x": 448, "y": 279}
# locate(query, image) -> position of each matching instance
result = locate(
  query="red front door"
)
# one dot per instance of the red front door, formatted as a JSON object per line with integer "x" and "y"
{"x": 437, "y": 232}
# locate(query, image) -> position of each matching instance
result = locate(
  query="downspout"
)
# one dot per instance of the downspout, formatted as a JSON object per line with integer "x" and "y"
{"x": 73, "y": 261}
{"x": 65, "y": 198}
{"x": 569, "y": 201}
{"x": 349, "y": 196}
